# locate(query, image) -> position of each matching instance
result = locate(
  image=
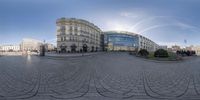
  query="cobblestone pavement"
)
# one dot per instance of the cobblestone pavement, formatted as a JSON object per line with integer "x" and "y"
{"x": 109, "y": 76}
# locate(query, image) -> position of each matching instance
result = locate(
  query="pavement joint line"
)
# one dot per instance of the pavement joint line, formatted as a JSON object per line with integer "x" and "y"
{"x": 107, "y": 76}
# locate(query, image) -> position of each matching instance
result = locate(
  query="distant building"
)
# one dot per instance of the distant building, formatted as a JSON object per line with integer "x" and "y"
{"x": 30, "y": 45}
{"x": 196, "y": 49}
{"x": 145, "y": 43}
{"x": 176, "y": 48}
{"x": 163, "y": 47}
{"x": 169, "y": 49}
{"x": 49, "y": 47}
{"x": 76, "y": 35}
{"x": 10, "y": 48}
{"x": 189, "y": 48}
{"x": 127, "y": 41}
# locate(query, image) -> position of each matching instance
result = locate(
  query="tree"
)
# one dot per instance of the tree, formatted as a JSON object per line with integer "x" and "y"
{"x": 161, "y": 53}
{"x": 143, "y": 52}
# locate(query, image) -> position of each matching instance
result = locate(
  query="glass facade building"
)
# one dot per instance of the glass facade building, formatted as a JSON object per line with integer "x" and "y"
{"x": 120, "y": 41}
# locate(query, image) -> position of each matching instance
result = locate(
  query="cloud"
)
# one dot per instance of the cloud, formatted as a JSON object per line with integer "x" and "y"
{"x": 128, "y": 14}
{"x": 140, "y": 23}
{"x": 187, "y": 26}
{"x": 52, "y": 41}
{"x": 153, "y": 27}
{"x": 118, "y": 25}
{"x": 170, "y": 44}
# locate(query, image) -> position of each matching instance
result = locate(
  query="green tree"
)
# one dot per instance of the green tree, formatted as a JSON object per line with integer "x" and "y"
{"x": 143, "y": 52}
{"x": 161, "y": 53}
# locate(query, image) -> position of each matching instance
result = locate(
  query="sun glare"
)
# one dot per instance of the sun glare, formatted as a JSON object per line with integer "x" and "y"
{"x": 120, "y": 26}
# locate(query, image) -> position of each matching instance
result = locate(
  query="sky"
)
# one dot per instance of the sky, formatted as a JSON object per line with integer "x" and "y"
{"x": 166, "y": 22}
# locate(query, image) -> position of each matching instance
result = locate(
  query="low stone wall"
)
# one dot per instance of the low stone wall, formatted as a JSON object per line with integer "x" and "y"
{"x": 11, "y": 53}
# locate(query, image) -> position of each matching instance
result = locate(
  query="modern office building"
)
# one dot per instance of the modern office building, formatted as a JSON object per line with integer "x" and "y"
{"x": 10, "y": 48}
{"x": 30, "y": 44}
{"x": 120, "y": 41}
{"x": 127, "y": 41}
{"x": 77, "y": 35}
{"x": 145, "y": 43}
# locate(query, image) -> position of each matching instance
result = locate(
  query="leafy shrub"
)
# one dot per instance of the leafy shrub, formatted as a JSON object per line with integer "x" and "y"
{"x": 185, "y": 53}
{"x": 161, "y": 53}
{"x": 143, "y": 52}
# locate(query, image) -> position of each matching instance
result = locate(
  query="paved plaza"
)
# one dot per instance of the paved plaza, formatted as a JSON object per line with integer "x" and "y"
{"x": 104, "y": 76}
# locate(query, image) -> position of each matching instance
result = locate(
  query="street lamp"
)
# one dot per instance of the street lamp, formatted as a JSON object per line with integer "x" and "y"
{"x": 78, "y": 41}
{"x": 83, "y": 46}
{"x": 42, "y": 49}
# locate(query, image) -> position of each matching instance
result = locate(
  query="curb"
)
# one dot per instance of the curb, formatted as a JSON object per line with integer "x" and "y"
{"x": 72, "y": 56}
{"x": 160, "y": 61}
{"x": 164, "y": 61}
{"x": 67, "y": 56}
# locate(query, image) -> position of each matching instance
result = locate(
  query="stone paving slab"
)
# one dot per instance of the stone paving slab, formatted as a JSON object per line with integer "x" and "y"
{"x": 103, "y": 76}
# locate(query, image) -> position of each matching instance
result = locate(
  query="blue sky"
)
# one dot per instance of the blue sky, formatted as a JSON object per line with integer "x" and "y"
{"x": 164, "y": 21}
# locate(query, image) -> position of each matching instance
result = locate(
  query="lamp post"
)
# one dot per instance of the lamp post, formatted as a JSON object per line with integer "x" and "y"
{"x": 1, "y": 53}
{"x": 42, "y": 49}
{"x": 78, "y": 41}
{"x": 83, "y": 46}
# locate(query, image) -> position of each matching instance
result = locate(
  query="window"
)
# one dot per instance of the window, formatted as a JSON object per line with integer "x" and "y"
{"x": 70, "y": 38}
{"x": 62, "y": 28}
{"x": 61, "y": 39}
{"x": 70, "y": 28}
{"x": 64, "y": 38}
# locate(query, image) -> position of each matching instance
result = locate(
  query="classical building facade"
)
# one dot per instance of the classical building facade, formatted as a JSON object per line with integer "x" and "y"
{"x": 49, "y": 47}
{"x": 127, "y": 41}
{"x": 10, "y": 48}
{"x": 77, "y": 35}
{"x": 196, "y": 48}
{"x": 30, "y": 44}
{"x": 175, "y": 48}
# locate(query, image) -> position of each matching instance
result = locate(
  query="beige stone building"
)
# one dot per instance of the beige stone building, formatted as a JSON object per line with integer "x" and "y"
{"x": 49, "y": 47}
{"x": 30, "y": 44}
{"x": 77, "y": 35}
{"x": 175, "y": 48}
{"x": 10, "y": 48}
{"x": 196, "y": 49}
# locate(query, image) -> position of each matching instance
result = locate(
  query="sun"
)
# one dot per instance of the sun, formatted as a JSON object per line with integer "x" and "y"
{"x": 119, "y": 26}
